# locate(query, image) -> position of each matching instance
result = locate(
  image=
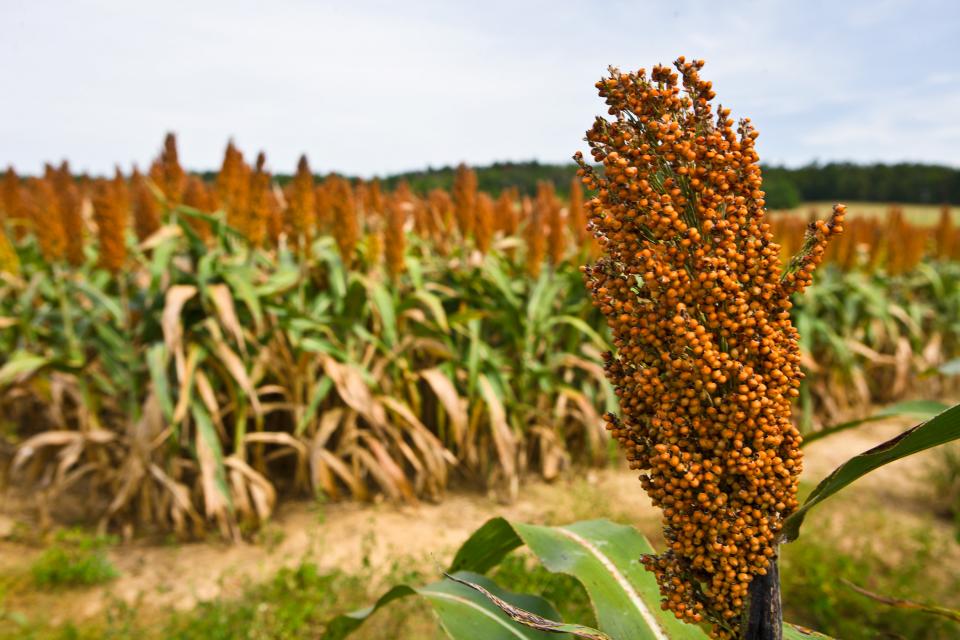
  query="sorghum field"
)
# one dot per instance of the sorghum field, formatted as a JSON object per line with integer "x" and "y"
{"x": 315, "y": 382}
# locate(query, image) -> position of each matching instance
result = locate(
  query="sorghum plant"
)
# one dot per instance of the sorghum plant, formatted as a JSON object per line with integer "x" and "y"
{"x": 110, "y": 215}
{"x": 707, "y": 361}
{"x": 146, "y": 211}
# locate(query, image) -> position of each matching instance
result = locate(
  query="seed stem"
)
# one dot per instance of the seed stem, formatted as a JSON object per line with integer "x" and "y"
{"x": 763, "y": 617}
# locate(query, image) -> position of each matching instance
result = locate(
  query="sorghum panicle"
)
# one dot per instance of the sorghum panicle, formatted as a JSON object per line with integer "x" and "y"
{"x": 120, "y": 190}
{"x": 202, "y": 198}
{"x": 233, "y": 188}
{"x": 44, "y": 219}
{"x": 167, "y": 173}
{"x": 441, "y": 213}
{"x": 258, "y": 212}
{"x": 505, "y": 210}
{"x": 346, "y": 227}
{"x": 554, "y": 223}
{"x": 464, "y": 194}
{"x": 110, "y": 216}
{"x": 146, "y": 209}
{"x": 10, "y": 201}
{"x": 484, "y": 222}
{"x": 944, "y": 234}
{"x": 301, "y": 206}
{"x": 576, "y": 213}
{"x": 395, "y": 234}
{"x": 70, "y": 207}
{"x": 534, "y": 236}
{"x": 706, "y": 360}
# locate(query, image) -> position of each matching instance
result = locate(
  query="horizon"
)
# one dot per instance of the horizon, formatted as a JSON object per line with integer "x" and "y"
{"x": 373, "y": 89}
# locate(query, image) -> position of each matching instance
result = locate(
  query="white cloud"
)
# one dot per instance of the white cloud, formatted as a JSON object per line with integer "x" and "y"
{"x": 375, "y": 87}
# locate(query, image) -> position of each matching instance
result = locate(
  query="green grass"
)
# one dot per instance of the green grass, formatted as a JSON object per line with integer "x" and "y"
{"x": 75, "y": 559}
{"x": 944, "y": 482}
{"x": 814, "y": 576}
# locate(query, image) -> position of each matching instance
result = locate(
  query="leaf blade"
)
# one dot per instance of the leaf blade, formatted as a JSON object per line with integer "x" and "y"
{"x": 940, "y": 429}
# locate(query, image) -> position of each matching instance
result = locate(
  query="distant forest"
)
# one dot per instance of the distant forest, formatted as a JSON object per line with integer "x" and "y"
{"x": 786, "y": 188}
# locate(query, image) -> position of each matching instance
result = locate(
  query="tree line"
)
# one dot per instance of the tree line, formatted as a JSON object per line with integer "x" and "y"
{"x": 785, "y": 187}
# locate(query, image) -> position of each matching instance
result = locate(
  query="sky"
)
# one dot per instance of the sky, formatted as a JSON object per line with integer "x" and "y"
{"x": 372, "y": 88}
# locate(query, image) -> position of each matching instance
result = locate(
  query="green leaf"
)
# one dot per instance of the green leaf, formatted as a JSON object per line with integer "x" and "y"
{"x": 21, "y": 364}
{"x": 101, "y": 299}
{"x": 492, "y": 269}
{"x": 433, "y": 303}
{"x": 279, "y": 282}
{"x": 532, "y": 620}
{"x": 940, "y": 429}
{"x": 796, "y": 632}
{"x": 581, "y": 326}
{"x": 915, "y": 408}
{"x": 213, "y": 474}
{"x": 157, "y": 364}
{"x": 383, "y": 302}
{"x": 602, "y": 555}
{"x": 463, "y": 612}
{"x": 317, "y": 394}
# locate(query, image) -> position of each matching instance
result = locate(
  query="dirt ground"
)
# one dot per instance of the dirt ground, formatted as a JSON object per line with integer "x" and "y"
{"x": 349, "y": 534}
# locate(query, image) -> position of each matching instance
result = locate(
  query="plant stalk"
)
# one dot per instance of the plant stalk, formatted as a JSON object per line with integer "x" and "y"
{"x": 763, "y": 619}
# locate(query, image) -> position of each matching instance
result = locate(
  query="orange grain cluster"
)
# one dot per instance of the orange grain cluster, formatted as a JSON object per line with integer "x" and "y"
{"x": 346, "y": 226}
{"x": 395, "y": 233}
{"x": 167, "y": 173}
{"x": 577, "y": 214}
{"x": 947, "y": 236}
{"x": 146, "y": 210}
{"x": 506, "y": 213}
{"x": 41, "y": 214}
{"x": 301, "y": 201}
{"x": 261, "y": 206}
{"x": 535, "y": 215}
{"x": 484, "y": 222}
{"x": 110, "y": 215}
{"x": 556, "y": 225}
{"x": 11, "y": 203}
{"x": 464, "y": 194}
{"x": 707, "y": 361}
{"x": 69, "y": 205}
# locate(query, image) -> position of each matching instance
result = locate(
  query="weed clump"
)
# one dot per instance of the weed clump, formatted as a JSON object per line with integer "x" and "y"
{"x": 75, "y": 559}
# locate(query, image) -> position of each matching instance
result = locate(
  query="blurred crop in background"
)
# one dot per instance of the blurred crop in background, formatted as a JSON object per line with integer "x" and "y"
{"x": 177, "y": 351}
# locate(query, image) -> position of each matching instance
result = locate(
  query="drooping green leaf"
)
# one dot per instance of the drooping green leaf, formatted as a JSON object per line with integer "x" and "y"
{"x": 21, "y": 364}
{"x": 101, "y": 299}
{"x": 602, "y": 555}
{"x": 581, "y": 326}
{"x": 915, "y": 408}
{"x": 213, "y": 473}
{"x": 796, "y": 632}
{"x": 532, "y": 620}
{"x": 464, "y": 613}
{"x": 156, "y": 363}
{"x": 317, "y": 394}
{"x": 281, "y": 281}
{"x": 432, "y": 302}
{"x": 940, "y": 429}
{"x": 383, "y": 302}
